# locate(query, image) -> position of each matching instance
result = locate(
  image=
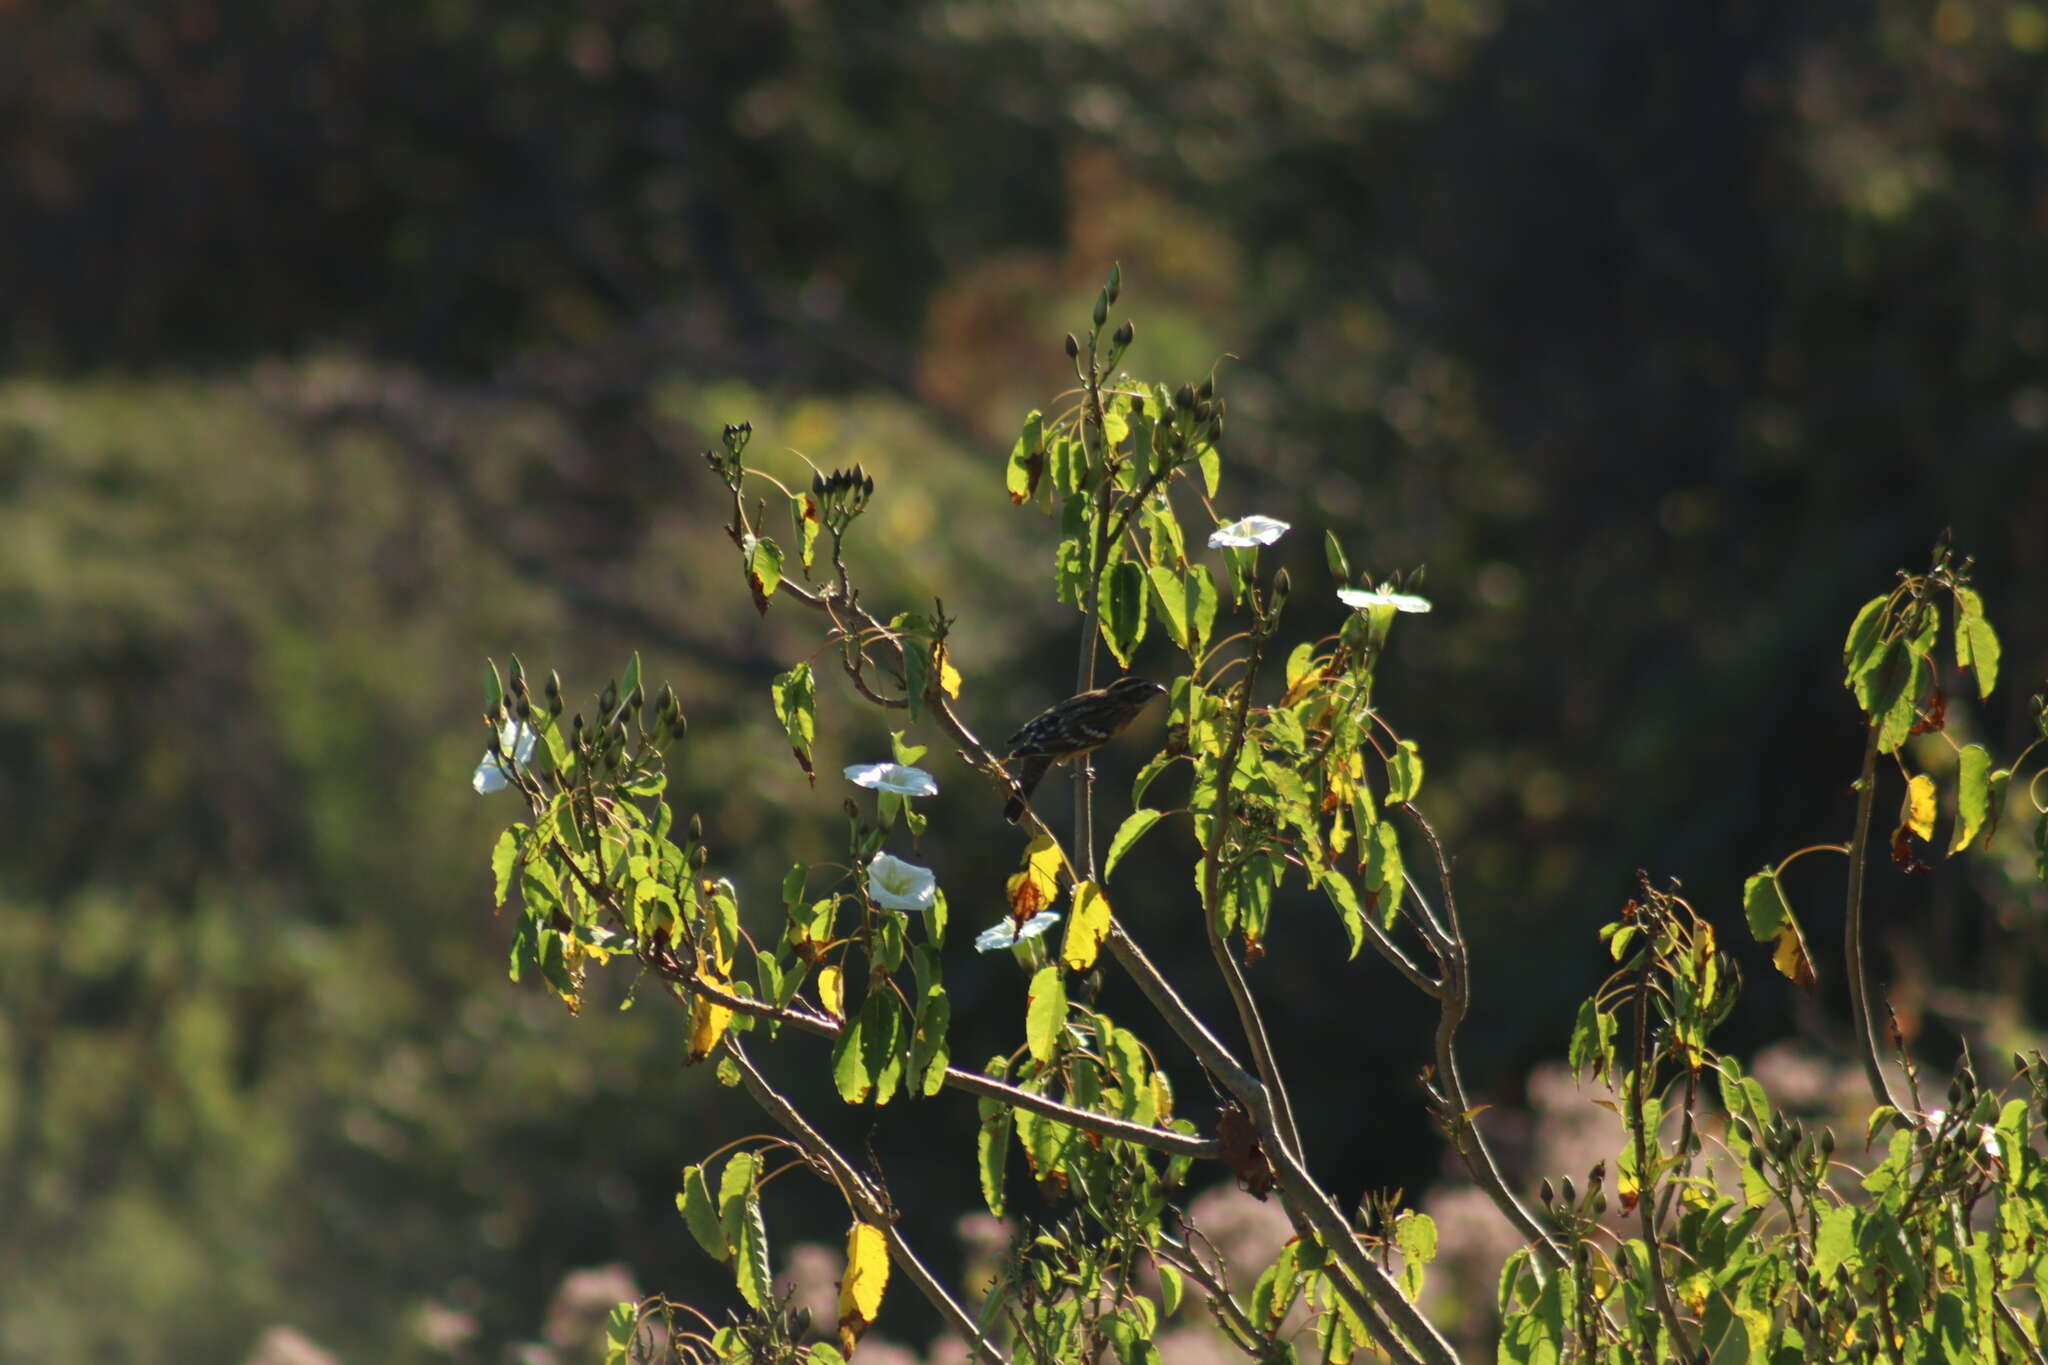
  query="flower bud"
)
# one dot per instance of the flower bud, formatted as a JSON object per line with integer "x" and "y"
{"x": 524, "y": 708}
{"x": 1101, "y": 313}
{"x": 1124, "y": 335}
{"x": 1184, "y": 396}
{"x": 1073, "y": 347}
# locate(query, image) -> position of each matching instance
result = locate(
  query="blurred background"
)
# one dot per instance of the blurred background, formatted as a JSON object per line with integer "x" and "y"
{"x": 347, "y": 344}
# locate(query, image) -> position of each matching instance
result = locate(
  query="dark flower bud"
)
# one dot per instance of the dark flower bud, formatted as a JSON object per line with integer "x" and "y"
{"x": 1101, "y": 314}
{"x": 554, "y": 684}
{"x": 638, "y": 699}
{"x": 818, "y": 485}
{"x": 852, "y": 811}
{"x": 1184, "y": 396}
{"x": 576, "y": 726}
{"x": 1570, "y": 1191}
{"x": 1208, "y": 389}
{"x": 524, "y": 708}
{"x": 555, "y": 705}
{"x": 1546, "y": 1194}
{"x": 699, "y": 856}
{"x": 1073, "y": 347}
{"x": 1124, "y": 335}
{"x": 1282, "y": 585}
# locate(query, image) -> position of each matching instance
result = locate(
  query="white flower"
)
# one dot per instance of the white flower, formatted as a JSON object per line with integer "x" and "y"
{"x": 1010, "y": 933}
{"x": 1247, "y": 532}
{"x": 893, "y": 777}
{"x": 897, "y": 885}
{"x": 1352, "y": 597}
{"x": 515, "y": 737}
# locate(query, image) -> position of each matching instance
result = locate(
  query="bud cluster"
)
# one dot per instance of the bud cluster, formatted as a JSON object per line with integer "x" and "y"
{"x": 1191, "y": 419}
{"x": 730, "y": 464}
{"x": 842, "y": 495}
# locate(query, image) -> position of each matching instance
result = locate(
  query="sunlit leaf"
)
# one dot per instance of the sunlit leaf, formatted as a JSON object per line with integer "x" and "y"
{"x": 1038, "y": 885}
{"x": 850, "y": 1072}
{"x": 1771, "y": 921}
{"x": 1045, "y": 1014}
{"x": 1916, "y": 812}
{"x": 1087, "y": 927}
{"x": 860, "y": 1288}
{"x": 832, "y": 991}
{"x": 764, "y": 570}
{"x": 1977, "y": 645}
{"x": 928, "y": 1052}
{"x": 750, "y": 1261}
{"x": 1404, "y": 773}
{"x": 1125, "y": 608}
{"x": 701, "y": 1214}
{"x": 708, "y": 1022}
{"x": 796, "y": 706}
{"x": 1128, "y": 833}
{"x": 992, "y": 1142}
{"x": 1027, "y": 460}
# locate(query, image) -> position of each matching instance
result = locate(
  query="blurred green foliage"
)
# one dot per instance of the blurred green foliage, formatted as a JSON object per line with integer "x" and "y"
{"x": 352, "y": 343}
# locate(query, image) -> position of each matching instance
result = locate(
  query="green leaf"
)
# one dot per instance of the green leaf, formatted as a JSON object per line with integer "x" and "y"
{"x": 1156, "y": 765}
{"x": 824, "y": 1353}
{"x": 1202, "y": 607}
{"x": 804, "y": 521}
{"x": 1173, "y": 603}
{"x": 1333, "y": 552}
{"x": 1860, "y": 650}
{"x": 1169, "y": 1290}
{"x": 1899, "y": 695}
{"x": 750, "y": 1265}
{"x": 1211, "y": 465}
{"x": 1976, "y": 643}
{"x": 928, "y": 1055}
{"x": 621, "y": 1326}
{"x": 1973, "y": 795}
{"x": 1345, "y": 897}
{"x": 1128, "y": 833}
{"x": 883, "y": 1044}
{"x": 735, "y": 1191}
{"x": 1384, "y": 875}
{"x": 1125, "y": 609}
{"x": 1070, "y": 572}
{"x": 796, "y": 706}
{"x": 1404, "y": 773}
{"x": 992, "y": 1142}
{"x": 629, "y": 681}
{"x": 1045, "y": 1014}
{"x": 494, "y": 691}
{"x": 849, "y": 1064}
{"x": 504, "y": 861}
{"x": 701, "y": 1214}
{"x": 1027, "y": 460}
{"x": 764, "y": 569}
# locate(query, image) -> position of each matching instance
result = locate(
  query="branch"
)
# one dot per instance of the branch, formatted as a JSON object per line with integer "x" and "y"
{"x": 1278, "y": 1113}
{"x": 1852, "y": 951}
{"x": 973, "y": 1082}
{"x": 1454, "y": 999}
{"x": 865, "y": 1203}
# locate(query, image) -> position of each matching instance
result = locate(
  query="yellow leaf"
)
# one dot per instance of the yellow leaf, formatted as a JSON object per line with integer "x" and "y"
{"x": 1038, "y": 885}
{"x": 708, "y": 1021}
{"x": 867, "y": 1273}
{"x": 1917, "y": 813}
{"x": 1790, "y": 957}
{"x": 949, "y": 676}
{"x": 832, "y": 991}
{"x": 1088, "y": 927}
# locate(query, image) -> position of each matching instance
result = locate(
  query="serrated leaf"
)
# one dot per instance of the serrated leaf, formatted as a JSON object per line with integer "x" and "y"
{"x": 866, "y": 1277}
{"x": 1977, "y": 645}
{"x": 504, "y": 861}
{"x": 1045, "y": 1015}
{"x": 883, "y": 1043}
{"x": 1037, "y": 886}
{"x": 750, "y": 1256}
{"x": 764, "y": 570}
{"x": 1134, "y": 828}
{"x": 928, "y": 1053}
{"x": 1771, "y": 921}
{"x": 992, "y": 1141}
{"x": 849, "y": 1065}
{"x": 701, "y": 1214}
{"x": 1384, "y": 875}
{"x": 1916, "y": 811}
{"x": 1404, "y": 773}
{"x": 735, "y": 1190}
{"x": 1906, "y": 677}
{"x": 1027, "y": 460}
{"x": 1125, "y": 608}
{"x": 796, "y": 706}
{"x": 1860, "y": 652}
{"x": 1352, "y": 915}
{"x": 1087, "y": 927}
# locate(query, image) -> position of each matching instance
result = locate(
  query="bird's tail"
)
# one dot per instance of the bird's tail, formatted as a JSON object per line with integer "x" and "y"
{"x": 1029, "y": 772}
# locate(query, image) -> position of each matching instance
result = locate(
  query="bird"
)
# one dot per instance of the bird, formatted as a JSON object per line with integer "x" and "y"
{"x": 1079, "y": 725}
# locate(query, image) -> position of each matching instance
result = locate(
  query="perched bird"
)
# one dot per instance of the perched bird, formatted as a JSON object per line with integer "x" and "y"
{"x": 1076, "y": 726}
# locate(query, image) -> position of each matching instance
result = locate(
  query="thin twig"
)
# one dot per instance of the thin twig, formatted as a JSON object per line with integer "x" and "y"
{"x": 867, "y": 1206}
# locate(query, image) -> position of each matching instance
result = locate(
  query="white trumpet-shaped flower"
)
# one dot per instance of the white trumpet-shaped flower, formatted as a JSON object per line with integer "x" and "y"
{"x": 1009, "y": 933}
{"x": 515, "y": 738}
{"x": 895, "y": 884}
{"x": 893, "y": 777}
{"x": 1247, "y": 532}
{"x": 1399, "y": 601}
